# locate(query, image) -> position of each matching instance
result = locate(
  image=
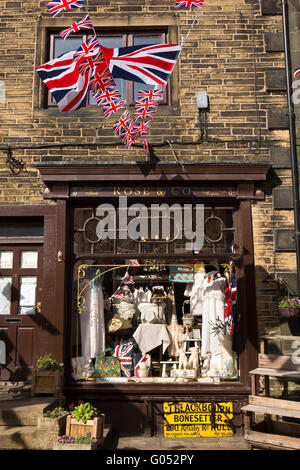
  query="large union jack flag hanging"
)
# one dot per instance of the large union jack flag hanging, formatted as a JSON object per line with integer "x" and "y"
{"x": 60, "y": 5}
{"x": 189, "y": 4}
{"x": 64, "y": 80}
{"x": 83, "y": 23}
{"x": 151, "y": 64}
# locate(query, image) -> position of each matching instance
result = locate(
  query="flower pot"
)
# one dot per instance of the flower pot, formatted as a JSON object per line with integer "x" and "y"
{"x": 53, "y": 425}
{"x": 228, "y": 361}
{"x": 289, "y": 312}
{"x": 59, "y": 446}
{"x": 47, "y": 382}
{"x": 93, "y": 427}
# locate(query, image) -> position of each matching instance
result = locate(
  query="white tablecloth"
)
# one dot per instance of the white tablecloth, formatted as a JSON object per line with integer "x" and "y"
{"x": 150, "y": 335}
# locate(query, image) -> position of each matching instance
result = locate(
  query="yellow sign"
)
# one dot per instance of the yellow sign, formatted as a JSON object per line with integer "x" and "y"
{"x": 197, "y": 419}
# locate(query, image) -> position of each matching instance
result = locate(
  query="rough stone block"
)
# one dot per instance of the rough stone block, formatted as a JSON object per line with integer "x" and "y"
{"x": 274, "y": 42}
{"x": 283, "y": 198}
{"x": 280, "y": 157}
{"x": 278, "y": 119}
{"x": 290, "y": 280}
{"x": 276, "y": 80}
{"x": 284, "y": 239}
{"x": 271, "y": 7}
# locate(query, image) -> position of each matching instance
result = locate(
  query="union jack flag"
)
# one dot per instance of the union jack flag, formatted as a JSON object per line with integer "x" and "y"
{"x": 125, "y": 353}
{"x": 60, "y": 5}
{"x": 142, "y": 128}
{"x": 90, "y": 63}
{"x": 101, "y": 80}
{"x": 150, "y": 95}
{"x": 151, "y": 64}
{"x": 146, "y": 104}
{"x": 63, "y": 79}
{"x": 189, "y": 4}
{"x": 129, "y": 136}
{"x": 88, "y": 49}
{"x": 112, "y": 108}
{"x": 104, "y": 97}
{"x": 297, "y": 72}
{"x": 83, "y": 23}
{"x": 122, "y": 123}
{"x": 144, "y": 109}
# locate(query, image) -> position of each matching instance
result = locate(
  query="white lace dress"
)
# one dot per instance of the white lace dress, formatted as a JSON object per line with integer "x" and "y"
{"x": 213, "y": 308}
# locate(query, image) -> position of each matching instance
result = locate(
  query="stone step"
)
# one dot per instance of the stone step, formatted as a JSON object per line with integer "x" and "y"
{"x": 31, "y": 438}
{"x": 23, "y": 412}
{"x": 25, "y": 437}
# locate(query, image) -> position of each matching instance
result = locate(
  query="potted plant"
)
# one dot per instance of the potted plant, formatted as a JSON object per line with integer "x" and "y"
{"x": 75, "y": 443}
{"x": 289, "y": 307}
{"x": 54, "y": 420}
{"x": 85, "y": 420}
{"x": 228, "y": 359}
{"x": 47, "y": 377}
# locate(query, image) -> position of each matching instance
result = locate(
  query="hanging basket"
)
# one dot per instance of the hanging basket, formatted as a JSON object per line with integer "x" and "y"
{"x": 288, "y": 312}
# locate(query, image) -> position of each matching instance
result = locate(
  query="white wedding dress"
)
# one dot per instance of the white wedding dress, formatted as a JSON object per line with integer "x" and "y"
{"x": 213, "y": 309}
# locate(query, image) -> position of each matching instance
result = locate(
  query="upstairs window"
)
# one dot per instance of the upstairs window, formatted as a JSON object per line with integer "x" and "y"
{"x": 129, "y": 90}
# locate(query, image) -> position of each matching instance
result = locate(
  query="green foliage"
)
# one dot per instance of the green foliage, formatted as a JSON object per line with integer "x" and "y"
{"x": 56, "y": 413}
{"x": 84, "y": 439}
{"x": 293, "y": 302}
{"x": 84, "y": 412}
{"x": 47, "y": 362}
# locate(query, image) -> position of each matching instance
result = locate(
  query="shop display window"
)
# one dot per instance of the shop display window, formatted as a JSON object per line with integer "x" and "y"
{"x": 172, "y": 319}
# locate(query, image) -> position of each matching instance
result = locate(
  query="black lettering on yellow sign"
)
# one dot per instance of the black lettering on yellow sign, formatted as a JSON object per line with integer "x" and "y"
{"x": 184, "y": 419}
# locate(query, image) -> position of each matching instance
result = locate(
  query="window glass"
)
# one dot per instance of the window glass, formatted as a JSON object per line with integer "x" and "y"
{"x": 6, "y": 259}
{"x": 29, "y": 259}
{"x": 27, "y": 299}
{"x": 5, "y": 295}
{"x": 62, "y": 46}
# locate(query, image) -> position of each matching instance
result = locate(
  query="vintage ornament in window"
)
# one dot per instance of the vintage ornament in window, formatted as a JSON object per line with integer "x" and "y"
{"x": 125, "y": 310}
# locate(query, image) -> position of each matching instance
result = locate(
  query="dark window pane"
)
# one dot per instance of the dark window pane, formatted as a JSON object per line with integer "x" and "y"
{"x": 21, "y": 229}
{"x": 62, "y": 46}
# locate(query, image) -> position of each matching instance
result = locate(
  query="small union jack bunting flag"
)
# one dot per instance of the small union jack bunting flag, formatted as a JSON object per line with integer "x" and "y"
{"x": 123, "y": 122}
{"x": 101, "y": 80}
{"x": 144, "y": 108}
{"x": 88, "y": 49}
{"x": 189, "y": 4}
{"x": 142, "y": 128}
{"x": 112, "y": 108}
{"x": 91, "y": 63}
{"x": 150, "y": 95}
{"x": 297, "y": 72}
{"x": 104, "y": 97}
{"x": 60, "y": 5}
{"x": 83, "y": 23}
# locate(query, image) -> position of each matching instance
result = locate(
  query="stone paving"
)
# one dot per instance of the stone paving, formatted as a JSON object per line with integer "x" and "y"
{"x": 161, "y": 443}
{"x": 21, "y": 390}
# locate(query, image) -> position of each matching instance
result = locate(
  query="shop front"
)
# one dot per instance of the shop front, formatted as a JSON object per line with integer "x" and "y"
{"x": 156, "y": 265}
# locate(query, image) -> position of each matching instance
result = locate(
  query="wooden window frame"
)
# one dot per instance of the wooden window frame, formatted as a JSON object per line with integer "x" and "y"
{"x": 127, "y": 41}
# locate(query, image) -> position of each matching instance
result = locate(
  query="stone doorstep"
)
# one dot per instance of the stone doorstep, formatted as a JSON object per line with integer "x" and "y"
{"x": 23, "y": 412}
{"x": 31, "y": 438}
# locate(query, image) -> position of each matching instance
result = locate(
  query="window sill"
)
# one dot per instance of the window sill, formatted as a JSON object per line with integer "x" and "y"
{"x": 91, "y": 112}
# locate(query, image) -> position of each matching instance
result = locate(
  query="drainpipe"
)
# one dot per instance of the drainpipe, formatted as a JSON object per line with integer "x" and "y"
{"x": 293, "y": 149}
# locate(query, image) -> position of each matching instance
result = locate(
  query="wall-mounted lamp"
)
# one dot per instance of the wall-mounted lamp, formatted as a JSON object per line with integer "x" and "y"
{"x": 202, "y": 105}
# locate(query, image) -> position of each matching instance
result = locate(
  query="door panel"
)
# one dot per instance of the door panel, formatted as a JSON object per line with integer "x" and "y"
{"x": 20, "y": 308}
